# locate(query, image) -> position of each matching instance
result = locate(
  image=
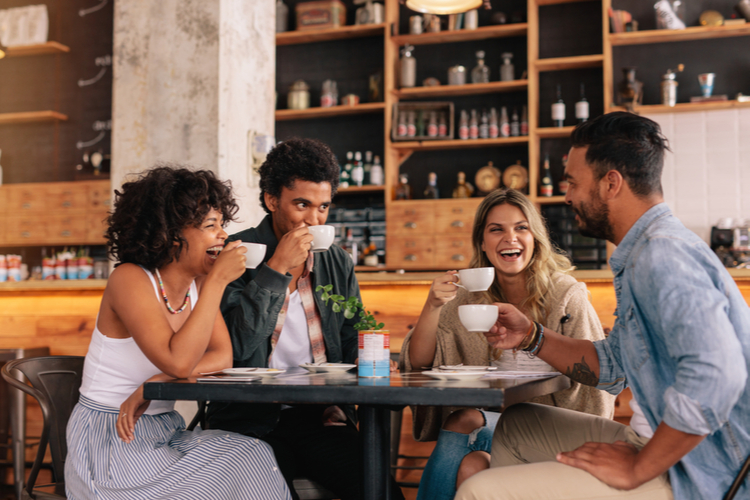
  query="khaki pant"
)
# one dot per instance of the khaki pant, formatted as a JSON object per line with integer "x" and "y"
{"x": 523, "y": 465}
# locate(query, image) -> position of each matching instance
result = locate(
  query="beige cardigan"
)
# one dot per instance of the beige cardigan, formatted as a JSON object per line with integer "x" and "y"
{"x": 457, "y": 345}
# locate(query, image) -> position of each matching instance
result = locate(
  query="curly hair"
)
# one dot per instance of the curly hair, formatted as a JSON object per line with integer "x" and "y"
{"x": 304, "y": 159}
{"x": 545, "y": 261}
{"x": 145, "y": 226}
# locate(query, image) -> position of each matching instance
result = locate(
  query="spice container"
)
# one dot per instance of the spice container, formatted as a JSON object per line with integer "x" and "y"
{"x": 299, "y": 95}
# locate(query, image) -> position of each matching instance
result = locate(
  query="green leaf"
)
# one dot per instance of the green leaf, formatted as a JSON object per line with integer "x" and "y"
{"x": 338, "y": 298}
{"x": 319, "y": 288}
{"x": 328, "y": 288}
{"x": 348, "y": 314}
{"x": 380, "y": 326}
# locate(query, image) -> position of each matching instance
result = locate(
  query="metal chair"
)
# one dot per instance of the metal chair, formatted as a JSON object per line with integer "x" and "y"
{"x": 13, "y": 412}
{"x": 55, "y": 381}
{"x": 741, "y": 476}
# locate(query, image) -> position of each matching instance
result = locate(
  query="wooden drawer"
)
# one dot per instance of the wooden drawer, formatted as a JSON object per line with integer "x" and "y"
{"x": 62, "y": 229}
{"x": 453, "y": 252}
{"x": 26, "y": 198}
{"x": 410, "y": 218}
{"x": 3, "y": 199}
{"x": 97, "y": 224}
{"x": 99, "y": 195}
{"x": 410, "y": 252}
{"x": 455, "y": 216}
{"x": 66, "y": 196}
{"x": 25, "y": 231}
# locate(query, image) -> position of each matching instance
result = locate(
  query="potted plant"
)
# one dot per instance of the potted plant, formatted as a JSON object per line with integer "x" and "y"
{"x": 374, "y": 342}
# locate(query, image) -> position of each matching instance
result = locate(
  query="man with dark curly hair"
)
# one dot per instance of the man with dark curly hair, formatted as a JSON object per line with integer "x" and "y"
{"x": 276, "y": 320}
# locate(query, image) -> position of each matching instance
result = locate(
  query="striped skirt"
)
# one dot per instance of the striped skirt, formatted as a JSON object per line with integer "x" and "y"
{"x": 164, "y": 461}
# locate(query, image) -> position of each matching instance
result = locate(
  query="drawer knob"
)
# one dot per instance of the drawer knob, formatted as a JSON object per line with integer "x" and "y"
{"x": 411, "y": 225}
{"x": 66, "y": 204}
{"x": 65, "y": 234}
{"x": 457, "y": 223}
{"x": 459, "y": 257}
{"x": 26, "y": 234}
{"x": 410, "y": 257}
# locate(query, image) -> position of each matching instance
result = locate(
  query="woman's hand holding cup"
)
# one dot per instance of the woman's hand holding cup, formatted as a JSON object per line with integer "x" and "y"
{"x": 230, "y": 264}
{"x": 443, "y": 290}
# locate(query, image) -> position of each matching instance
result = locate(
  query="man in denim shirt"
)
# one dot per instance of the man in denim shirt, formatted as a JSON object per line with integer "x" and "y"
{"x": 681, "y": 342}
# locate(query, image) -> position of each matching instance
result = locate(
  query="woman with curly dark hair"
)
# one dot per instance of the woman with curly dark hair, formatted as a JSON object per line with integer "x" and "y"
{"x": 167, "y": 232}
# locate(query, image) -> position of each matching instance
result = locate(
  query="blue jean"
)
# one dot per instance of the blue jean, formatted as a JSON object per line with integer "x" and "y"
{"x": 439, "y": 477}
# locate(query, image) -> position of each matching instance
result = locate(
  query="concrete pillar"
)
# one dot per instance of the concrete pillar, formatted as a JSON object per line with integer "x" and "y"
{"x": 192, "y": 78}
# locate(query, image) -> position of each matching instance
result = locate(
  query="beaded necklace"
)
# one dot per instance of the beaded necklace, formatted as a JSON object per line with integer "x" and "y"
{"x": 166, "y": 301}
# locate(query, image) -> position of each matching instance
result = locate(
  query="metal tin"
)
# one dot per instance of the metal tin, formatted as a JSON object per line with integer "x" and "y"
{"x": 374, "y": 353}
{"x": 415, "y": 25}
{"x": 456, "y": 75}
{"x": 299, "y": 95}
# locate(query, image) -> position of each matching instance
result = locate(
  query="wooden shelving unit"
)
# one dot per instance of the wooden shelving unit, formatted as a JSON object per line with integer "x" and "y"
{"x": 459, "y": 144}
{"x": 550, "y": 200}
{"x": 686, "y": 107}
{"x": 481, "y": 33}
{"x": 361, "y": 189}
{"x": 457, "y": 90}
{"x": 37, "y": 50}
{"x": 31, "y": 116}
{"x": 555, "y": 2}
{"x": 687, "y": 34}
{"x": 318, "y": 112}
{"x": 554, "y": 132}
{"x": 326, "y": 35}
{"x": 574, "y": 62}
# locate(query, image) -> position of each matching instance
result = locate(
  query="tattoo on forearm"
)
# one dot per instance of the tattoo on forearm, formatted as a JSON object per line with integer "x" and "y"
{"x": 581, "y": 373}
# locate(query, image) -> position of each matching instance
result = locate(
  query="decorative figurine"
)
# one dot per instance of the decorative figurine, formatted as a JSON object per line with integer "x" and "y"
{"x": 463, "y": 189}
{"x": 403, "y": 189}
{"x": 630, "y": 90}
{"x": 431, "y": 191}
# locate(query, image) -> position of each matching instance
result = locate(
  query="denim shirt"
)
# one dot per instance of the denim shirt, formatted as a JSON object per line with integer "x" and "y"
{"x": 681, "y": 342}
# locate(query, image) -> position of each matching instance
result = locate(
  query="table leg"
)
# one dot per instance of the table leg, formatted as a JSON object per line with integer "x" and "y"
{"x": 375, "y": 429}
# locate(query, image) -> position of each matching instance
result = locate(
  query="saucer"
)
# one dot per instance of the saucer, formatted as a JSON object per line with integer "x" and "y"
{"x": 327, "y": 367}
{"x": 455, "y": 374}
{"x": 261, "y": 372}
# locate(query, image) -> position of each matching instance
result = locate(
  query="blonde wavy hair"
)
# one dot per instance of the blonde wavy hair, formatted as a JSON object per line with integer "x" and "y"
{"x": 546, "y": 260}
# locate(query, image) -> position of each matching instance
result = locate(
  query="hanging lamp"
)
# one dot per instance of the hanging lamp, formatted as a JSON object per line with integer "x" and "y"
{"x": 443, "y": 7}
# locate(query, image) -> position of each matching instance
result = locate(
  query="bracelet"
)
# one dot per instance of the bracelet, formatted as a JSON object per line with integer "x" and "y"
{"x": 538, "y": 346}
{"x": 527, "y": 340}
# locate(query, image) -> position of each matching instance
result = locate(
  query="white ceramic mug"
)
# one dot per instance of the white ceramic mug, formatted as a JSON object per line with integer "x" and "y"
{"x": 322, "y": 237}
{"x": 476, "y": 280}
{"x": 254, "y": 255}
{"x": 478, "y": 317}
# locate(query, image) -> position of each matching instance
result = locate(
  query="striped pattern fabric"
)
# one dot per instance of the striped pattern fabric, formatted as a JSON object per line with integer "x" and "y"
{"x": 314, "y": 325}
{"x": 164, "y": 461}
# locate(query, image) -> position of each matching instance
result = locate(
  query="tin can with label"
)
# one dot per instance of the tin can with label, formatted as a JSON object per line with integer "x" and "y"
{"x": 374, "y": 353}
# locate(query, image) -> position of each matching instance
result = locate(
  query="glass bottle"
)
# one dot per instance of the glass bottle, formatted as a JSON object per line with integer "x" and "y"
{"x": 346, "y": 175}
{"x": 420, "y": 123}
{"x": 463, "y": 125}
{"x": 582, "y": 107}
{"x": 282, "y": 16}
{"x": 515, "y": 125}
{"x": 484, "y": 125}
{"x": 524, "y": 122}
{"x": 403, "y": 189}
{"x": 358, "y": 172}
{"x": 350, "y": 246}
{"x": 507, "y": 72}
{"x": 546, "y": 188}
{"x": 376, "y": 173}
{"x": 408, "y": 67}
{"x": 401, "y": 129}
{"x": 494, "y": 127}
{"x": 442, "y": 126}
{"x": 558, "y": 109}
{"x": 463, "y": 189}
{"x": 411, "y": 127}
{"x": 432, "y": 126}
{"x": 474, "y": 125}
{"x": 431, "y": 191}
{"x": 368, "y": 167}
{"x": 330, "y": 94}
{"x": 481, "y": 73}
{"x": 504, "y": 125}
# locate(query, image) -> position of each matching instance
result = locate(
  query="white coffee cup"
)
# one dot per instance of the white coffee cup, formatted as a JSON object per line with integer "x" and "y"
{"x": 476, "y": 280}
{"x": 254, "y": 255}
{"x": 322, "y": 237}
{"x": 478, "y": 317}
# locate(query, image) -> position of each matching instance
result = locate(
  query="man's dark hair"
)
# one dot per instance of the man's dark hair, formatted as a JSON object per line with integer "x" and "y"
{"x": 145, "y": 227}
{"x": 631, "y": 144}
{"x": 304, "y": 159}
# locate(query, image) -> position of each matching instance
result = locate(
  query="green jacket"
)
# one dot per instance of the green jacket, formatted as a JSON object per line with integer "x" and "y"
{"x": 251, "y": 306}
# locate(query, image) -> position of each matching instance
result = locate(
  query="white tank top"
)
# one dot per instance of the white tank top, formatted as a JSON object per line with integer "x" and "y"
{"x": 114, "y": 368}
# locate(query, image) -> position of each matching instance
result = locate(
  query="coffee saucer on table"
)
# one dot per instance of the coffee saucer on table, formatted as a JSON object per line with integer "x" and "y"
{"x": 455, "y": 374}
{"x": 261, "y": 372}
{"x": 467, "y": 368}
{"x": 327, "y": 367}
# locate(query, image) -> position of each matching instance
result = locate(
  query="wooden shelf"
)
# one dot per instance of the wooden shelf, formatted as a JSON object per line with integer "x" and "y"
{"x": 555, "y": 2}
{"x": 325, "y": 35}
{"x": 549, "y": 200}
{"x": 575, "y": 62}
{"x": 459, "y": 144}
{"x": 483, "y": 33}
{"x": 455, "y": 90}
{"x": 318, "y": 112}
{"x": 554, "y": 132}
{"x": 360, "y": 189}
{"x": 692, "y": 33}
{"x": 37, "y": 50}
{"x": 31, "y": 116}
{"x": 685, "y": 107}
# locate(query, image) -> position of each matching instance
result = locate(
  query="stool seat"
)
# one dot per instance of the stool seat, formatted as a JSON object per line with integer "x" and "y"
{"x": 13, "y": 412}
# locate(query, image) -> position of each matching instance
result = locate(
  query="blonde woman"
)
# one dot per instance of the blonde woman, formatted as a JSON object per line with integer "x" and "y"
{"x": 509, "y": 235}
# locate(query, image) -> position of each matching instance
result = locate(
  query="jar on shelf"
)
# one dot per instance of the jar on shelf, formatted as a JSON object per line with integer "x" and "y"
{"x": 299, "y": 95}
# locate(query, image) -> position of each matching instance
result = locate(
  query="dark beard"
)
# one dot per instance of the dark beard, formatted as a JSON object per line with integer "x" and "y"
{"x": 594, "y": 220}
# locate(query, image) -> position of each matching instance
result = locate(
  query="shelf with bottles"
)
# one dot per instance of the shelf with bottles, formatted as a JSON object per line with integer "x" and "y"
{"x": 319, "y": 112}
{"x": 37, "y": 49}
{"x": 460, "y": 143}
{"x": 481, "y": 33}
{"x": 566, "y": 98}
{"x": 31, "y": 116}
{"x": 554, "y": 132}
{"x": 572, "y": 62}
{"x": 683, "y": 35}
{"x": 687, "y": 107}
{"x": 369, "y": 188}
{"x": 461, "y": 90}
{"x": 326, "y": 35}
